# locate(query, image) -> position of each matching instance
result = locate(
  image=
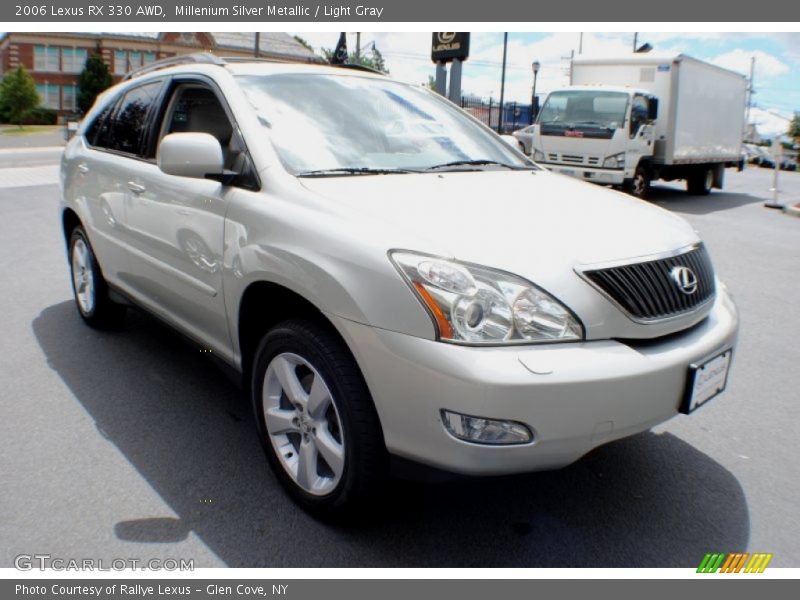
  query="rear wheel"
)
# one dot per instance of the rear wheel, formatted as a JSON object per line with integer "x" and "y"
{"x": 701, "y": 182}
{"x": 316, "y": 420}
{"x": 89, "y": 287}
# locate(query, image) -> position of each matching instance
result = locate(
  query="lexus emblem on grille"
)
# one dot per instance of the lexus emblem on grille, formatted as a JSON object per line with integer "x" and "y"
{"x": 685, "y": 279}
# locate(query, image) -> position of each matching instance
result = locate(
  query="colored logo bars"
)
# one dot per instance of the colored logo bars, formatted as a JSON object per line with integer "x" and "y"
{"x": 734, "y": 563}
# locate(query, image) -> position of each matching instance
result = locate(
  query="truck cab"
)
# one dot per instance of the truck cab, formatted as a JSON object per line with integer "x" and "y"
{"x": 629, "y": 120}
{"x": 596, "y": 133}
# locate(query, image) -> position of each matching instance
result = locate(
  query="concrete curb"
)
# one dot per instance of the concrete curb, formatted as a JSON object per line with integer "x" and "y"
{"x": 793, "y": 211}
{"x": 31, "y": 149}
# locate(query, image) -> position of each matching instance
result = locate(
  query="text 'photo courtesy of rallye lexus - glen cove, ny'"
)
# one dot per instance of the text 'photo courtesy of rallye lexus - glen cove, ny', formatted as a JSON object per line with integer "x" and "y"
{"x": 390, "y": 280}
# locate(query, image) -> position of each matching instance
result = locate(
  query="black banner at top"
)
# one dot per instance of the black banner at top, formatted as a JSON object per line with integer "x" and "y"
{"x": 442, "y": 11}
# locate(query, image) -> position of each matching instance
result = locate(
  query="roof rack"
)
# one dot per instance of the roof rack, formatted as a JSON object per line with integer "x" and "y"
{"x": 184, "y": 59}
{"x": 206, "y": 58}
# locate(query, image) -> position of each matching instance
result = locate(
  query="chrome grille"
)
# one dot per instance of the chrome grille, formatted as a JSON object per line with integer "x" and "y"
{"x": 647, "y": 291}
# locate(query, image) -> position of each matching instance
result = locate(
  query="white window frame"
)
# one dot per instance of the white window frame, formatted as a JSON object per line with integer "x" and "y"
{"x": 74, "y": 95}
{"x": 120, "y": 69}
{"x": 51, "y": 98}
{"x": 71, "y": 63}
{"x": 45, "y": 63}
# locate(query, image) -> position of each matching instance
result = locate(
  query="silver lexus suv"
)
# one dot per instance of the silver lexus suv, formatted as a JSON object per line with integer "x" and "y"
{"x": 388, "y": 277}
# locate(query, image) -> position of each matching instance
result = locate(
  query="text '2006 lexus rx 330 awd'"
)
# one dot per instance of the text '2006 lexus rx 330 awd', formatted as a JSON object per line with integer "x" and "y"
{"x": 385, "y": 274}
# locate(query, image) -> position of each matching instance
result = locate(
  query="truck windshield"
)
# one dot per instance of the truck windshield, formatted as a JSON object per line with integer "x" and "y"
{"x": 584, "y": 110}
{"x": 346, "y": 125}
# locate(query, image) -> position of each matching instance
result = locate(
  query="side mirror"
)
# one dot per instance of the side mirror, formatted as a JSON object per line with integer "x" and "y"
{"x": 197, "y": 155}
{"x": 652, "y": 108}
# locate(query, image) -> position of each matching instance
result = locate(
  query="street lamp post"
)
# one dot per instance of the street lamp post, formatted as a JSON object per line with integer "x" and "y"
{"x": 535, "y": 67}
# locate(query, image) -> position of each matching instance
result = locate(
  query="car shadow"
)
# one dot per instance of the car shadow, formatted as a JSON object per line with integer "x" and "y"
{"x": 676, "y": 199}
{"x": 651, "y": 500}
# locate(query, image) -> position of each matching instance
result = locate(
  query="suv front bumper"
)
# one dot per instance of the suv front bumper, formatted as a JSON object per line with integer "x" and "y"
{"x": 574, "y": 396}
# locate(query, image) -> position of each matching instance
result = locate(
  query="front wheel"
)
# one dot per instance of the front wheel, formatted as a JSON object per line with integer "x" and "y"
{"x": 316, "y": 419}
{"x": 639, "y": 186}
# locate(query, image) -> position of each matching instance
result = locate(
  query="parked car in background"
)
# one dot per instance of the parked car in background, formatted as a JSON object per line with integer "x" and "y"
{"x": 750, "y": 153}
{"x": 762, "y": 157}
{"x": 525, "y": 138}
{"x": 387, "y": 288}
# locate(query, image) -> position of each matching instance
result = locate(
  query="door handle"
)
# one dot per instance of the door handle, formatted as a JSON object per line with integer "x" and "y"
{"x": 136, "y": 188}
{"x": 83, "y": 168}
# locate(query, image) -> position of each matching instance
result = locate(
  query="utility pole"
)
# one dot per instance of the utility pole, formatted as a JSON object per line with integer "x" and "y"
{"x": 500, "y": 128}
{"x": 750, "y": 91}
{"x": 257, "y": 45}
{"x": 580, "y": 44}
{"x": 358, "y": 46}
{"x": 635, "y": 39}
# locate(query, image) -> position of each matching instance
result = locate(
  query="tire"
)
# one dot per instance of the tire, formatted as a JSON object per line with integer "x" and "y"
{"x": 701, "y": 182}
{"x": 639, "y": 186}
{"x": 338, "y": 436}
{"x": 89, "y": 287}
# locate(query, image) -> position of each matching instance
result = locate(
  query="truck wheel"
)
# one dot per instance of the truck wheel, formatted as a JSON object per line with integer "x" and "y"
{"x": 700, "y": 183}
{"x": 639, "y": 186}
{"x": 89, "y": 287}
{"x": 316, "y": 420}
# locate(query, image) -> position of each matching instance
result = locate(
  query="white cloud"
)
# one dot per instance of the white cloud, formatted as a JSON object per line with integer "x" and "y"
{"x": 769, "y": 123}
{"x": 408, "y": 57}
{"x": 767, "y": 65}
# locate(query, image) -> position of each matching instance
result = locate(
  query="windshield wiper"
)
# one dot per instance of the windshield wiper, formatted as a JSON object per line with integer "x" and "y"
{"x": 333, "y": 172}
{"x": 478, "y": 163}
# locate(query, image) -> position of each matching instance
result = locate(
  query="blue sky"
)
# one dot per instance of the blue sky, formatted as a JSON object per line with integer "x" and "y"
{"x": 777, "y": 73}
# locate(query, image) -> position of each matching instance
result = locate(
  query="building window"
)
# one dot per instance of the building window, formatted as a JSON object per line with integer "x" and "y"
{"x": 48, "y": 95}
{"x": 125, "y": 61}
{"x": 69, "y": 97}
{"x": 120, "y": 62}
{"x": 45, "y": 58}
{"x": 73, "y": 59}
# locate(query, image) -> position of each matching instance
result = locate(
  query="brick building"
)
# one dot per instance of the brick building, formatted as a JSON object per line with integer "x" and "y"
{"x": 56, "y": 59}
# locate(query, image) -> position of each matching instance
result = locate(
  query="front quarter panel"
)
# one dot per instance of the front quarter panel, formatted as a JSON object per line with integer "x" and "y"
{"x": 341, "y": 268}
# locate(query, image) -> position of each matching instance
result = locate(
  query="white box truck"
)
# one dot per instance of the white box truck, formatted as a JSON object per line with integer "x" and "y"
{"x": 629, "y": 121}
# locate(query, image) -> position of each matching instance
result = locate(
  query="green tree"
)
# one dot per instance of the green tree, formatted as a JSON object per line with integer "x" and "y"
{"x": 794, "y": 128}
{"x": 94, "y": 78}
{"x": 18, "y": 95}
{"x": 303, "y": 43}
{"x": 372, "y": 59}
{"x": 431, "y": 85}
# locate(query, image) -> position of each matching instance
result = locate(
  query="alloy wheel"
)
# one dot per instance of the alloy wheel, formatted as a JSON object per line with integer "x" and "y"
{"x": 82, "y": 276}
{"x": 303, "y": 424}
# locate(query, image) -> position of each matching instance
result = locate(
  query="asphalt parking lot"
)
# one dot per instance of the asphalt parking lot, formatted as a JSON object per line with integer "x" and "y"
{"x": 131, "y": 445}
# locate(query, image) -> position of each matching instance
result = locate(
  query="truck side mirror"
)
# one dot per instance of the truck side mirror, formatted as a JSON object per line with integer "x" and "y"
{"x": 652, "y": 108}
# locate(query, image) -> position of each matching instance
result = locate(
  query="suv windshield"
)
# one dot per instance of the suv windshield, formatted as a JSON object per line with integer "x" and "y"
{"x": 349, "y": 124}
{"x": 584, "y": 109}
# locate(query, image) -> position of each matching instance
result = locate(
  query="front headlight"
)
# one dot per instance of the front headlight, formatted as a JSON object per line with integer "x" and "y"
{"x": 538, "y": 156}
{"x": 615, "y": 161}
{"x": 471, "y": 304}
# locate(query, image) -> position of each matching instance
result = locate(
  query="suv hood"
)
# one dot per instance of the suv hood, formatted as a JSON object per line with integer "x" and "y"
{"x": 520, "y": 221}
{"x": 538, "y": 225}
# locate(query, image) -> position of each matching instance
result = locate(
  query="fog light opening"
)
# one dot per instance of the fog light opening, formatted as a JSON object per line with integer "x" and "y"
{"x": 482, "y": 430}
